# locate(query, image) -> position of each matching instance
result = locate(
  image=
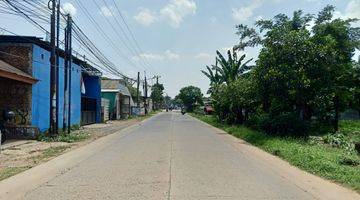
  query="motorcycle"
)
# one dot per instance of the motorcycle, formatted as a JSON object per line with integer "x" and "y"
{"x": 3, "y": 136}
{"x": 7, "y": 116}
{"x": 183, "y": 111}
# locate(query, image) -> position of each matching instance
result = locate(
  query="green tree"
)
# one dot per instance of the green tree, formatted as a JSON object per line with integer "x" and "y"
{"x": 227, "y": 86}
{"x": 157, "y": 91}
{"x": 339, "y": 39}
{"x": 355, "y": 102}
{"x": 190, "y": 97}
{"x": 227, "y": 70}
{"x": 301, "y": 74}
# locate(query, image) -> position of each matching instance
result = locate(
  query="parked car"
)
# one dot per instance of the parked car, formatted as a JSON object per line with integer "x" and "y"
{"x": 208, "y": 109}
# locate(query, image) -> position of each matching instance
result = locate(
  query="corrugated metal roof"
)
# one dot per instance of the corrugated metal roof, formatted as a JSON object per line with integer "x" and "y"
{"x": 15, "y": 73}
{"x": 124, "y": 90}
{"x": 109, "y": 84}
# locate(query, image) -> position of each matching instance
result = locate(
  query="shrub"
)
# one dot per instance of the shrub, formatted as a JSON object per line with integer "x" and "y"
{"x": 350, "y": 161}
{"x": 68, "y": 138}
{"x": 287, "y": 124}
{"x": 340, "y": 140}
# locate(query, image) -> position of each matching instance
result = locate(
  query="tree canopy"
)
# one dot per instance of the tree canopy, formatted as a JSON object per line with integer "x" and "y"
{"x": 190, "y": 96}
{"x": 303, "y": 75}
{"x": 157, "y": 95}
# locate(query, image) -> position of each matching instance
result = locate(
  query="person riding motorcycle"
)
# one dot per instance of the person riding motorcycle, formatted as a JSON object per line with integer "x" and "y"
{"x": 183, "y": 110}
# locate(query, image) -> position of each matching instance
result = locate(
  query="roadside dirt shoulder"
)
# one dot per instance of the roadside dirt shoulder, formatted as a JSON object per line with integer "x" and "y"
{"x": 19, "y": 155}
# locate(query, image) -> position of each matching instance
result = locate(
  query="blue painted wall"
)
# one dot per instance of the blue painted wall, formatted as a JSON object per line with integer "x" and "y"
{"x": 75, "y": 94}
{"x": 93, "y": 90}
{"x": 41, "y": 90}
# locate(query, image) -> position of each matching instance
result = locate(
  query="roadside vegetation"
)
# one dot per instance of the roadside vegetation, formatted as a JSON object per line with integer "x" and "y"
{"x": 320, "y": 156}
{"x": 289, "y": 101}
{"x": 303, "y": 79}
{"x": 72, "y": 137}
{"x": 190, "y": 97}
{"x": 40, "y": 157}
{"x": 11, "y": 171}
{"x": 50, "y": 153}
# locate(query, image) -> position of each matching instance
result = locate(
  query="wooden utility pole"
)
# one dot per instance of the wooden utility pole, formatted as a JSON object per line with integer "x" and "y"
{"x": 138, "y": 92}
{"x": 52, "y": 70}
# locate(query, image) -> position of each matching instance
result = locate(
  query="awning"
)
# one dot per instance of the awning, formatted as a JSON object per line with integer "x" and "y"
{"x": 10, "y": 72}
{"x": 124, "y": 90}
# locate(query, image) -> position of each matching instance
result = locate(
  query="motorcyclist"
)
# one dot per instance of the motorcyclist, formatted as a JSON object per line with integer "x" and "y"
{"x": 183, "y": 110}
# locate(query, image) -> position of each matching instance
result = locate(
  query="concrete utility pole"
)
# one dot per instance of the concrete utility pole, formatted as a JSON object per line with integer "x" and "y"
{"x": 52, "y": 69}
{"x": 70, "y": 69}
{"x": 157, "y": 79}
{"x": 138, "y": 92}
{"x": 66, "y": 72}
{"x": 146, "y": 94}
{"x": 57, "y": 65}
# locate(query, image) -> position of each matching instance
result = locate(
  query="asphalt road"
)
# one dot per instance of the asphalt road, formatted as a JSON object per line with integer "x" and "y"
{"x": 172, "y": 156}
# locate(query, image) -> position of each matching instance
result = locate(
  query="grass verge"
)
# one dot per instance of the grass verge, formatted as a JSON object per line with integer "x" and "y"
{"x": 323, "y": 160}
{"x": 44, "y": 156}
{"x": 48, "y": 154}
{"x": 64, "y": 137}
{"x": 11, "y": 171}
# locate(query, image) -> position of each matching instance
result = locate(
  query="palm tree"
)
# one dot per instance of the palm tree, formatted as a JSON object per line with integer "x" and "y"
{"x": 231, "y": 68}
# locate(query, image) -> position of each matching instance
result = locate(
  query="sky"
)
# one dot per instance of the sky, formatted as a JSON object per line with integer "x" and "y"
{"x": 177, "y": 38}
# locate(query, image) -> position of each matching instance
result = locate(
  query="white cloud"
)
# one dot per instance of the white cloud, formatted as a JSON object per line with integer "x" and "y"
{"x": 166, "y": 56}
{"x": 203, "y": 56}
{"x": 226, "y": 49}
{"x": 213, "y": 19}
{"x": 352, "y": 10}
{"x": 149, "y": 56}
{"x": 311, "y": 24}
{"x": 107, "y": 11}
{"x": 145, "y": 17}
{"x": 171, "y": 56}
{"x": 69, "y": 8}
{"x": 177, "y": 10}
{"x": 244, "y": 13}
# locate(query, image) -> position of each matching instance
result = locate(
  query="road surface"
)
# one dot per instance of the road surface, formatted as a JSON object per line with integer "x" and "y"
{"x": 170, "y": 156}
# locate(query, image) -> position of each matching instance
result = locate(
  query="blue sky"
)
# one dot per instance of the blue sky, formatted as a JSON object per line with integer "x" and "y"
{"x": 178, "y": 38}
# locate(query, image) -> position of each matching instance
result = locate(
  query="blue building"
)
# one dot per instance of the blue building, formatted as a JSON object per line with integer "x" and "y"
{"x": 31, "y": 55}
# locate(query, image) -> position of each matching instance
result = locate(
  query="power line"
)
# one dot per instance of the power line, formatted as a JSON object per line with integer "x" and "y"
{"x": 37, "y": 13}
{"x": 103, "y": 34}
{"x": 133, "y": 50}
{"x": 131, "y": 33}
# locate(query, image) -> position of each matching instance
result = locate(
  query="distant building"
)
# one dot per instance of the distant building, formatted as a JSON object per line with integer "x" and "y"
{"x": 26, "y": 87}
{"x": 120, "y": 100}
